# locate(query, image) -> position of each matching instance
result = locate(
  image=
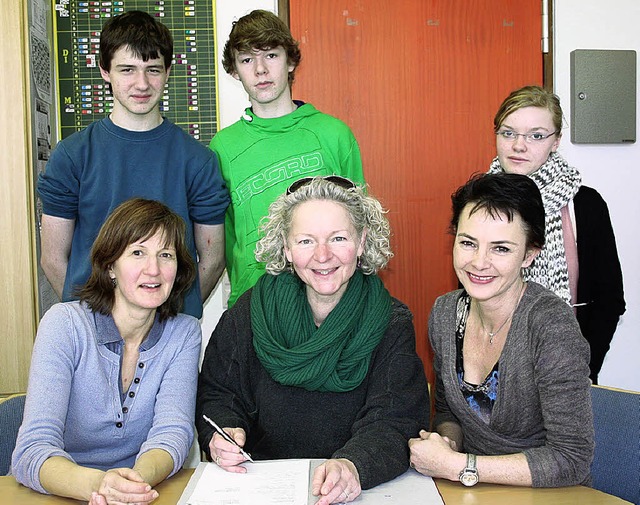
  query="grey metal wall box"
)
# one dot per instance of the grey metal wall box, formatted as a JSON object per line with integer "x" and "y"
{"x": 603, "y": 96}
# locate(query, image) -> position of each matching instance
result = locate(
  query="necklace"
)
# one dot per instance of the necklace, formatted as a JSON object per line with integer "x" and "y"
{"x": 494, "y": 333}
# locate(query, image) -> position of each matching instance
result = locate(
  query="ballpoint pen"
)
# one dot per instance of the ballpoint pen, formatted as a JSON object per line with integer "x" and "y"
{"x": 226, "y": 436}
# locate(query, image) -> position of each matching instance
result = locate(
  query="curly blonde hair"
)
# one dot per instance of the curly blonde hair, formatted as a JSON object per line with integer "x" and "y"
{"x": 365, "y": 212}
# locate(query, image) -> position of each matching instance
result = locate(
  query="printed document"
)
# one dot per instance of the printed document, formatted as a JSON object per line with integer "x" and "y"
{"x": 281, "y": 482}
{"x": 287, "y": 482}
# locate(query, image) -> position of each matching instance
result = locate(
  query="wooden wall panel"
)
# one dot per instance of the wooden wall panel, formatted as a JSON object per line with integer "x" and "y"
{"x": 418, "y": 81}
{"x": 17, "y": 291}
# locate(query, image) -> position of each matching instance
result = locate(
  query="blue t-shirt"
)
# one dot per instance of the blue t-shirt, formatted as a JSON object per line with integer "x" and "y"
{"x": 93, "y": 171}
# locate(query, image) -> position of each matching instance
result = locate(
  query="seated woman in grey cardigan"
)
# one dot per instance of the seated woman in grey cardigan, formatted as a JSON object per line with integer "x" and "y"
{"x": 512, "y": 395}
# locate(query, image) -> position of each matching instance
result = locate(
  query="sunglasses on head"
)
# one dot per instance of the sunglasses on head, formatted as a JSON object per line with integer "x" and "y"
{"x": 343, "y": 182}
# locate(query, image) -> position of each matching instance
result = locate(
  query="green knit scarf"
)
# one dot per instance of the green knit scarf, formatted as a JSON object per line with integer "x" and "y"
{"x": 333, "y": 357}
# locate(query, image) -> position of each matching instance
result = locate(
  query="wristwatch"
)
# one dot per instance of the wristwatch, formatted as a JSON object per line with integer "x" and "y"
{"x": 469, "y": 476}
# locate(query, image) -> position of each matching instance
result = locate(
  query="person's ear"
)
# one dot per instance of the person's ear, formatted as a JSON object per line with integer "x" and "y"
{"x": 105, "y": 75}
{"x": 363, "y": 239}
{"x": 556, "y": 142}
{"x": 287, "y": 251}
{"x": 530, "y": 255}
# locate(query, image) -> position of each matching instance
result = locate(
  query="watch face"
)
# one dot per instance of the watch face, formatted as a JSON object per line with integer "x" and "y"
{"x": 469, "y": 478}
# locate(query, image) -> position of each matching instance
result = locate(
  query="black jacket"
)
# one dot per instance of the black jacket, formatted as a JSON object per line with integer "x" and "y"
{"x": 600, "y": 276}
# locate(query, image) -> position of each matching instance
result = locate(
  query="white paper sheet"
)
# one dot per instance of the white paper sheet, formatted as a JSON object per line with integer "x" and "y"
{"x": 285, "y": 482}
{"x": 410, "y": 488}
{"x": 281, "y": 482}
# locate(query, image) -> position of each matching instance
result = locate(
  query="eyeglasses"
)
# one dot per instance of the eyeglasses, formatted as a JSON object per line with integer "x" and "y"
{"x": 530, "y": 138}
{"x": 343, "y": 182}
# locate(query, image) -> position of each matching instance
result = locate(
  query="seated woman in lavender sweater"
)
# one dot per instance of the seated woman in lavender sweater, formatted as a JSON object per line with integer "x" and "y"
{"x": 111, "y": 395}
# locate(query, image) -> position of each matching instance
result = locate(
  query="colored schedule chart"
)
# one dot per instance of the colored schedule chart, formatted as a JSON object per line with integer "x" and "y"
{"x": 190, "y": 95}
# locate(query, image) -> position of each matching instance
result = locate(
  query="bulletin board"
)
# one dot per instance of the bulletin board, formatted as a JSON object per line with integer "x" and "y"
{"x": 83, "y": 97}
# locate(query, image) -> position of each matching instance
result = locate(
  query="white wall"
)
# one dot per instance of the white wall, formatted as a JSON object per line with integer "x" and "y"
{"x": 614, "y": 170}
{"x": 231, "y": 103}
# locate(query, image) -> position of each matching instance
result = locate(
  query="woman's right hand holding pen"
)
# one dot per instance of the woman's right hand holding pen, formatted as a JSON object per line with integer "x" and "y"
{"x": 227, "y": 455}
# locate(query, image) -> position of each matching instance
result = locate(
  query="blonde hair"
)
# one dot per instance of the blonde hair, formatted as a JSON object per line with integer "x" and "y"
{"x": 366, "y": 214}
{"x": 529, "y": 96}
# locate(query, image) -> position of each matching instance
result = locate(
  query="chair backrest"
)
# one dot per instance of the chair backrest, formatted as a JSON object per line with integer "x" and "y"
{"x": 11, "y": 409}
{"x": 616, "y": 463}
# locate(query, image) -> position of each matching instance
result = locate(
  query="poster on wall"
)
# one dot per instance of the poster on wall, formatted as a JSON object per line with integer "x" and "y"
{"x": 83, "y": 97}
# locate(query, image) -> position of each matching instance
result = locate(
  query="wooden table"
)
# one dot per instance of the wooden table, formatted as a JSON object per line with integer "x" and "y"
{"x": 12, "y": 493}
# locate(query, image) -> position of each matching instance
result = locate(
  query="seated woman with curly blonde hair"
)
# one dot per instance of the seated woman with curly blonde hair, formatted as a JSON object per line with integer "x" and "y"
{"x": 317, "y": 360}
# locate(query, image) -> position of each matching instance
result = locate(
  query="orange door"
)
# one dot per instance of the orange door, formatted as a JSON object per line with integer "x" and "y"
{"x": 418, "y": 81}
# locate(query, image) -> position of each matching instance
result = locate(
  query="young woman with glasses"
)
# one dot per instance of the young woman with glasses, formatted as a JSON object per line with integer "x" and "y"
{"x": 579, "y": 261}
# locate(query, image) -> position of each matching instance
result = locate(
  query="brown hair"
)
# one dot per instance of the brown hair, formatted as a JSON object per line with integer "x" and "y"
{"x": 260, "y": 30}
{"x": 134, "y": 220}
{"x": 529, "y": 96}
{"x": 146, "y": 37}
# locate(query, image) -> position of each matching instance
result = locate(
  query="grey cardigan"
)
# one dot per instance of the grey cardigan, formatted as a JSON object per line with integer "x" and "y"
{"x": 543, "y": 406}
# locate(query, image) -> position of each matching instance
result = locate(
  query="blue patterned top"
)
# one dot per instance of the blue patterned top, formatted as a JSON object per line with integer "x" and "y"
{"x": 479, "y": 397}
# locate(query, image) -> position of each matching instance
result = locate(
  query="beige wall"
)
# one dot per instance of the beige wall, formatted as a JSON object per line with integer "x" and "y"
{"x": 17, "y": 292}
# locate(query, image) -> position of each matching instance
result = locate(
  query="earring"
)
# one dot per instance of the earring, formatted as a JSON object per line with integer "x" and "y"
{"x": 359, "y": 262}
{"x": 114, "y": 282}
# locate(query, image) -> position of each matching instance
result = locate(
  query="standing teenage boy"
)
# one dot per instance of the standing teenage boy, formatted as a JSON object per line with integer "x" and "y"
{"x": 134, "y": 152}
{"x": 277, "y": 140}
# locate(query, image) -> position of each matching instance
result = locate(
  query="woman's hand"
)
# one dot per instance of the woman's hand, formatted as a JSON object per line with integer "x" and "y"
{"x": 227, "y": 455}
{"x": 436, "y": 456}
{"x": 122, "y": 486}
{"x": 336, "y": 481}
{"x": 97, "y": 499}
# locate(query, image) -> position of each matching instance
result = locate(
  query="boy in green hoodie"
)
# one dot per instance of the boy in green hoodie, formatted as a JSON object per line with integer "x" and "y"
{"x": 276, "y": 141}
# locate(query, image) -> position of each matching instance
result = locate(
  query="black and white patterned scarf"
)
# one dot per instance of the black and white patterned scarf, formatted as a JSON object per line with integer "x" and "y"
{"x": 558, "y": 184}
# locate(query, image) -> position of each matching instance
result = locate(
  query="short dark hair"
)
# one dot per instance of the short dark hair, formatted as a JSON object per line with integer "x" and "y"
{"x": 145, "y": 36}
{"x": 263, "y": 30}
{"x": 506, "y": 194}
{"x": 134, "y": 220}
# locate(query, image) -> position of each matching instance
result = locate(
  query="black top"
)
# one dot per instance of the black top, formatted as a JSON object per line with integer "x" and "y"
{"x": 369, "y": 426}
{"x": 599, "y": 275}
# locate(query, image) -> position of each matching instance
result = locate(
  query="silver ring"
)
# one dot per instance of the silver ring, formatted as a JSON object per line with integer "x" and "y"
{"x": 218, "y": 460}
{"x": 346, "y": 495}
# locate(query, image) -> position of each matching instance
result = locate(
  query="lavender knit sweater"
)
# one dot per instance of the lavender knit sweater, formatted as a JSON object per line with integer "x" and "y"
{"x": 74, "y": 407}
